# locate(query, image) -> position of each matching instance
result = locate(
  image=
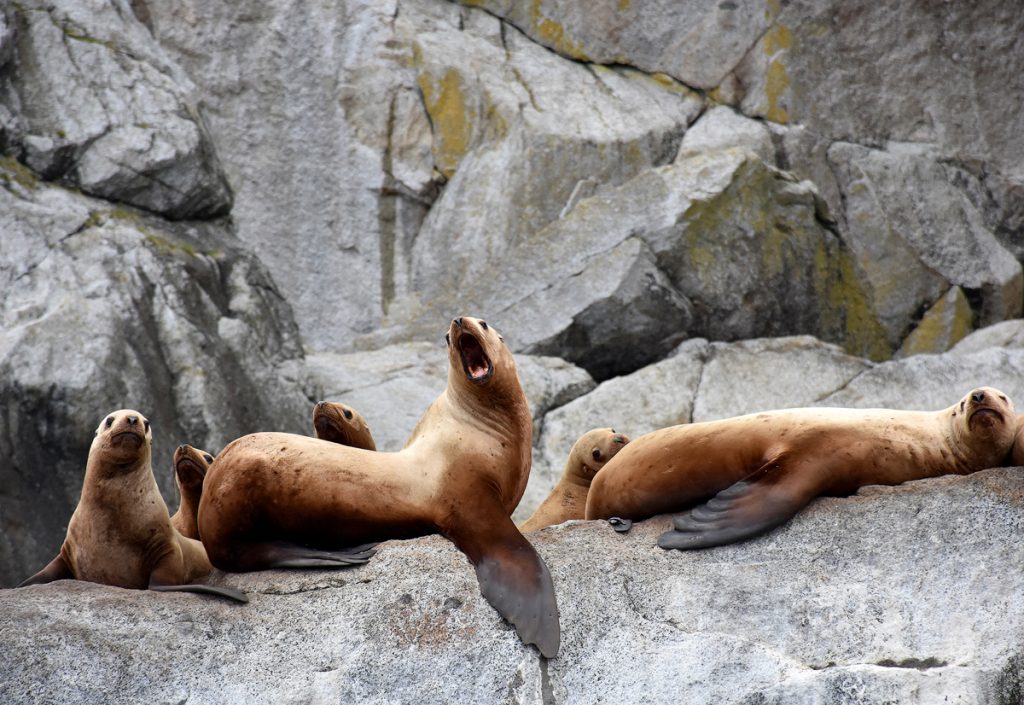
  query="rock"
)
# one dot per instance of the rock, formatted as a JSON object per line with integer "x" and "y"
{"x": 723, "y": 128}
{"x": 698, "y": 43}
{"x": 98, "y": 104}
{"x": 108, "y": 308}
{"x": 930, "y": 382}
{"x": 946, "y": 322}
{"x": 392, "y": 387}
{"x": 1008, "y": 334}
{"x": 828, "y": 608}
{"x": 915, "y": 235}
{"x": 770, "y": 373}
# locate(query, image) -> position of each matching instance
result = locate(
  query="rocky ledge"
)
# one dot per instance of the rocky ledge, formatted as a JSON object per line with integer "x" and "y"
{"x": 905, "y": 594}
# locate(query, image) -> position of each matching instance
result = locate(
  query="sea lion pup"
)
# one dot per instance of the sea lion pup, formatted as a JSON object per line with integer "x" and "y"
{"x": 190, "y": 466}
{"x": 743, "y": 476}
{"x": 120, "y": 533}
{"x": 276, "y": 500}
{"x": 340, "y": 423}
{"x": 568, "y": 499}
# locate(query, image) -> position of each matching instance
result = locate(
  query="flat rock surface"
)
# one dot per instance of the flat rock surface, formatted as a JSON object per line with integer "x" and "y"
{"x": 908, "y": 594}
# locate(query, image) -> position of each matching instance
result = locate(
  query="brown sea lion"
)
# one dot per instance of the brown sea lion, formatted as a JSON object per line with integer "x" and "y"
{"x": 340, "y": 423}
{"x": 568, "y": 499}
{"x": 190, "y": 466}
{"x": 743, "y": 476}
{"x": 1017, "y": 453}
{"x": 120, "y": 533}
{"x": 276, "y": 500}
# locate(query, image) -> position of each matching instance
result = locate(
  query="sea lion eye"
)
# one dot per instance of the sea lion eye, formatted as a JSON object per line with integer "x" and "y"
{"x": 207, "y": 457}
{"x": 448, "y": 339}
{"x": 596, "y": 454}
{"x": 1003, "y": 398}
{"x": 483, "y": 324}
{"x": 110, "y": 421}
{"x": 348, "y": 414}
{"x": 146, "y": 424}
{"x": 961, "y": 406}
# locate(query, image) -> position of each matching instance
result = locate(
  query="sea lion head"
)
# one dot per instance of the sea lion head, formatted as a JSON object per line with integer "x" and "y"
{"x": 123, "y": 438}
{"x": 190, "y": 466}
{"x": 478, "y": 358}
{"x": 985, "y": 423}
{"x": 593, "y": 449}
{"x": 340, "y": 423}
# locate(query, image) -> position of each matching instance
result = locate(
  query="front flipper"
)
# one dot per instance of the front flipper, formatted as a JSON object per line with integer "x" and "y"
{"x": 512, "y": 575}
{"x": 168, "y": 572}
{"x": 747, "y": 509}
{"x": 57, "y": 569}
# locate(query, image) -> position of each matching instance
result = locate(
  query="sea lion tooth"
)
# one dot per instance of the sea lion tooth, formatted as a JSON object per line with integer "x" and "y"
{"x": 746, "y": 475}
{"x": 120, "y": 533}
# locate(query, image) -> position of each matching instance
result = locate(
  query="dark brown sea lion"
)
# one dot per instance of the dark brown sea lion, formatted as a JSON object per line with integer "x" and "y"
{"x": 340, "y": 423}
{"x": 120, "y": 533}
{"x": 190, "y": 466}
{"x": 278, "y": 500}
{"x": 743, "y": 476}
{"x": 568, "y": 499}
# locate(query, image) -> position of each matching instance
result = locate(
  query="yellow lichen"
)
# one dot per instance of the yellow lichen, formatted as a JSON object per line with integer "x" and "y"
{"x": 551, "y": 33}
{"x": 13, "y": 170}
{"x": 453, "y": 128}
{"x": 777, "y": 41}
{"x": 944, "y": 324}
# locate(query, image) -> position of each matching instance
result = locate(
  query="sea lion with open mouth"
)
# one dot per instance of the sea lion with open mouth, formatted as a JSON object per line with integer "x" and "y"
{"x": 276, "y": 500}
{"x": 743, "y": 476}
{"x": 120, "y": 533}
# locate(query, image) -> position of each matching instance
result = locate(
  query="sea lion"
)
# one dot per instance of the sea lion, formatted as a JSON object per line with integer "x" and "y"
{"x": 276, "y": 500}
{"x": 1017, "y": 452}
{"x": 340, "y": 423}
{"x": 743, "y": 476}
{"x": 120, "y": 533}
{"x": 568, "y": 499}
{"x": 190, "y": 466}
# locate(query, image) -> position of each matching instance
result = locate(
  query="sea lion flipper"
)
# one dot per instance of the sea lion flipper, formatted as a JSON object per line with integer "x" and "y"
{"x": 281, "y": 554}
{"x": 513, "y": 578}
{"x": 57, "y": 569}
{"x": 741, "y": 511}
{"x": 219, "y": 590}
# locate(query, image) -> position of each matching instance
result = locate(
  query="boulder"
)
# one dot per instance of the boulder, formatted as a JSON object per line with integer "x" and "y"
{"x": 897, "y": 594}
{"x": 107, "y": 308}
{"x": 97, "y": 103}
{"x": 1007, "y": 334}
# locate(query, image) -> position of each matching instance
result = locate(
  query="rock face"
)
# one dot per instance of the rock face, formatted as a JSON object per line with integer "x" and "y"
{"x": 864, "y": 599}
{"x": 107, "y": 308}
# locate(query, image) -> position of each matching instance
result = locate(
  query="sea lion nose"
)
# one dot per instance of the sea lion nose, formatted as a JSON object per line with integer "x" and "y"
{"x": 978, "y": 396}
{"x": 458, "y": 322}
{"x": 180, "y": 449}
{"x": 320, "y": 404}
{"x": 132, "y": 420}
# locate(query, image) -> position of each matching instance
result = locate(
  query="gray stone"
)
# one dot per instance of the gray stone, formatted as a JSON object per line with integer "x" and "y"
{"x": 722, "y": 127}
{"x": 109, "y": 308}
{"x": 770, "y": 373}
{"x": 915, "y": 235}
{"x": 1007, "y": 334}
{"x": 901, "y": 594}
{"x": 101, "y": 106}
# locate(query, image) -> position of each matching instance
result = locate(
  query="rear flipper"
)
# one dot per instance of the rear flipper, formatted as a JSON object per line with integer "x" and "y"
{"x": 56, "y": 569}
{"x": 742, "y": 511}
{"x": 220, "y": 590}
{"x": 512, "y": 576}
{"x": 282, "y": 554}
{"x": 621, "y": 525}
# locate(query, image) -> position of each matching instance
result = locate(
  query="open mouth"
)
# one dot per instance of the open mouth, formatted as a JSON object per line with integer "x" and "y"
{"x": 474, "y": 361}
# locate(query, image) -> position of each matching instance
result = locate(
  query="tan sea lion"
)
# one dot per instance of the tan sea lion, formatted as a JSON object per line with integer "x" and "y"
{"x": 120, "y": 533}
{"x": 568, "y": 499}
{"x": 340, "y": 423}
{"x": 190, "y": 466}
{"x": 743, "y": 476}
{"x": 276, "y": 500}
